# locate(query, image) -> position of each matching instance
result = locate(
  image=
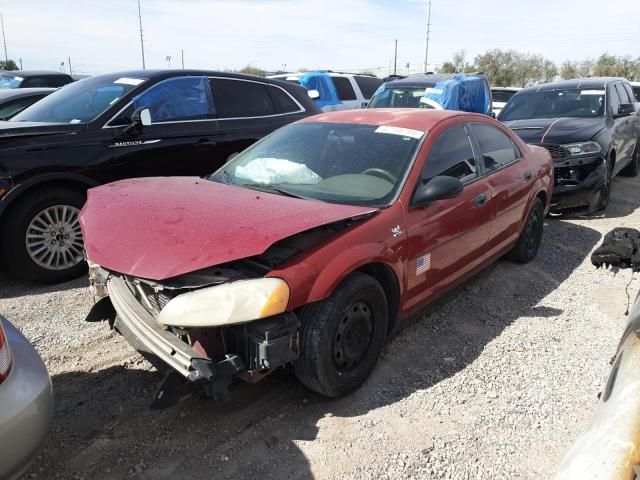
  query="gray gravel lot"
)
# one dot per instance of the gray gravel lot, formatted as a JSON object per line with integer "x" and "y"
{"x": 496, "y": 380}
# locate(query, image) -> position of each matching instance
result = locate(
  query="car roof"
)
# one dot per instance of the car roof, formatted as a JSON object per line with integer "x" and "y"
{"x": 425, "y": 80}
{"x": 34, "y": 73}
{"x": 414, "y": 118}
{"x": 591, "y": 82}
{"x": 7, "y": 93}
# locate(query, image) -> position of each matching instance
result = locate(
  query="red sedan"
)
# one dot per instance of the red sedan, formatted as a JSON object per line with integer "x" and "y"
{"x": 310, "y": 246}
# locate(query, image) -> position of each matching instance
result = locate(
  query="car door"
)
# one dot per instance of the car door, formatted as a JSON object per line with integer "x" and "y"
{"x": 346, "y": 94}
{"x": 181, "y": 139}
{"x": 627, "y": 129}
{"x": 248, "y": 110}
{"x": 447, "y": 238}
{"x": 617, "y": 136}
{"x": 509, "y": 179}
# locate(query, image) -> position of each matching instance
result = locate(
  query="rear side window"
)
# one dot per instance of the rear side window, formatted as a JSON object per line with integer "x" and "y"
{"x": 55, "y": 82}
{"x": 282, "y": 101}
{"x": 368, "y": 85}
{"x": 636, "y": 91}
{"x": 630, "y": 93}
{"x": 344, "y": 88}
{"x": 496, "y": 148}
{"x": 239, "y": 98}
{"x": 35, "y": 82}
{"x": 14, "y": 107}
{"x": 452, "y": 156}
{"x": 622, "y": 94}
{"x": 614, "y": 100}
{"x": 177, "y": 99}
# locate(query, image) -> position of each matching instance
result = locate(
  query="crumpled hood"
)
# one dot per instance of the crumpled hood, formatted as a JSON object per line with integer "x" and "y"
{"x": 556, "y": 130}
{"x": 158, "y": 228}
{"x": 10, "y": 129}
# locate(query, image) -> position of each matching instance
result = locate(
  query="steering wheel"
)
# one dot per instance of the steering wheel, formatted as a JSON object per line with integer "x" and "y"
{"x": 381, "y": 173}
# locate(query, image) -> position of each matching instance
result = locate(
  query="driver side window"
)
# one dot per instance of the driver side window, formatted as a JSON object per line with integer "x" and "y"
{"x": 451, "y": 155}
{"x": 177, "y": 99}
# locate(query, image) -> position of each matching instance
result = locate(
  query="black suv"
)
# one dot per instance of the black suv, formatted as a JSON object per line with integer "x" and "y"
{"x": 591, "y": 128}
{"x": 121, "y": 125}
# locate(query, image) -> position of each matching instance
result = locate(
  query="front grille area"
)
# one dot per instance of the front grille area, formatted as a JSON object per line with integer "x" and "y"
{"x": 153, "y": 301}
{"x": 558, "y": 152}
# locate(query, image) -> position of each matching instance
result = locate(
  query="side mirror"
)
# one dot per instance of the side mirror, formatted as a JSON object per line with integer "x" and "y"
{"x": 625, "y": 109}
{"x": 438, "y": 188}
{"x": 313, "y": 94}
{"x": 141, "y": 116}
{"x": 492, "y": 114}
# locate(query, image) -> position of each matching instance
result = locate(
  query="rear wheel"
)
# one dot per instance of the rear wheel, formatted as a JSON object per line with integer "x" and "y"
{"x": 526, "y": 248}
{"x": 42, "y": 240}
{"x": 341, "y": 337}
{"x": 633, "y": 169}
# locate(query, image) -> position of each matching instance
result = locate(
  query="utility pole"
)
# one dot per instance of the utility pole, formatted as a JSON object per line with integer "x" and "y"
{"x": 141, "y": 38}
{"x": 70, "y": 71}
{"x": 20, "y": 62}
{"x": 168, "y": 59}
{"x": 395, "y": 58}
{"x": 182, "y": 58}
{"x": 426, "y": 53}
{"x": 4, "y": 40}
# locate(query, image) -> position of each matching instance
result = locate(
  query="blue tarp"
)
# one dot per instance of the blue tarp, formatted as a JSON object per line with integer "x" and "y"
{"x": 321, "y": 82}
{"x": 468, "y": 93}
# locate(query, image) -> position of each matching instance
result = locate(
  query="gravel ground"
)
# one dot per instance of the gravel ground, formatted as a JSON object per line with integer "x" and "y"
{"x": 496, "y": 380}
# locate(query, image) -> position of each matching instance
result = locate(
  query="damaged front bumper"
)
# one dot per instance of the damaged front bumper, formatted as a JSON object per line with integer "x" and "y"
{"x": 578, "y": 182}
{"x": 210, "y": 356}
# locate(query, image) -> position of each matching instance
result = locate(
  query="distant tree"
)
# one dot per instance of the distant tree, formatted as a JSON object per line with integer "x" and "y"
{"x": 8, "y": 65}
{"x": 447, "y": 67}
{"x": 499, "y": 66}
{"x": 549, "y": 71}
{"x": 606, "y": 66}
{"x": 251, "y": 70}
{"x": 569, "y": 70}
{"x": 586, "y": 67}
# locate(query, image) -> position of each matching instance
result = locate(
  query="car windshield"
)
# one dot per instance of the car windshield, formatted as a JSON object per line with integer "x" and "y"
{"x": 333, "y": 162}
{"x": 79, "y": 102}
{"x": 10, "y": 81}
{"x": 567, "y": 102}
{"x": 407, "y": 97}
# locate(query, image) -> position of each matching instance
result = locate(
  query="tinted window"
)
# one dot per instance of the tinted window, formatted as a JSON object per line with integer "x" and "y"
{"x": 35, "y": 82}
{"x": 344, "y": 88}
{"x": 636, "y": 90}
{"x": 566, "y": 102}
{"x": 614, "y": 100}
{"x": 239, "y": 98}
{"x": 182, "y": 98}
{"x": 283, "y": 101}
{"x": 630, "y": 93}
{"x": 368, "y": 85}
{"x": 11, "y": 108}
{"x": 501, "y": 95}
{"x": 55, "y": 82}
{"x": 496, "y": 148}
{"x": 399, "y": 98}
{"x": 622, "y": 94}
{"x": 451, "y": 155}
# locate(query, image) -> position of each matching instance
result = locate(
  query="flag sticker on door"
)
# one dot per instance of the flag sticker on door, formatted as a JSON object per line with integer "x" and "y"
{"x": 423, "y": 264}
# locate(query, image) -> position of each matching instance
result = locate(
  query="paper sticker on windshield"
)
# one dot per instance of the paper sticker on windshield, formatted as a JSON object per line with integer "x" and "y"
{"x": 403, "y": 132}
{"x": 592, "y": 92}
{"x": 129, "y": 81}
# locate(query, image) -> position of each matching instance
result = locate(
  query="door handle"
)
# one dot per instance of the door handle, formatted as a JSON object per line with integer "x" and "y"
{"x": 480, "y": 201}
{"x": 204, "y": 143}
{"x": 527, "y": 175}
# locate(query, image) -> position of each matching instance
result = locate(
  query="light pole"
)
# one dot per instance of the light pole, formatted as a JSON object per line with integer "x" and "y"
{"x": 141, "y": 38}
{"x": 182, "y": 58}
{"x": 395, "y": 58}
{"x": 4, "y": 40}
{"x": 426, "y": 53}
{"x": 168, "y": 59}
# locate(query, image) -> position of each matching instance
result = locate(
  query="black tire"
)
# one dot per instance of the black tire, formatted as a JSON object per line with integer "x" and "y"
{"x": 633, "y": 169}
{"x": 341, "y": 337}
{"x": 14, "y": 235}
{"x": 526, "y": 248}
{"x": 605, "y": 190}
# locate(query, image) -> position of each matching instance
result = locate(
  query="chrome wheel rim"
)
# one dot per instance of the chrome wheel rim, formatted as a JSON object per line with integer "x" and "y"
{"x": 54, "y": 238}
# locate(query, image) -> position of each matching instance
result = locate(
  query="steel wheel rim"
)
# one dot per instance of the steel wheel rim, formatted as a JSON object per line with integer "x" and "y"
{"x": 353, "y": 337}
{"x": 533, "y": 231}
{"x": 54, "y": 239}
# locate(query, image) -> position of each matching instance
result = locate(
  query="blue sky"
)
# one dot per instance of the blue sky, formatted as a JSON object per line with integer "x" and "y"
{"x": 102, "y": 36}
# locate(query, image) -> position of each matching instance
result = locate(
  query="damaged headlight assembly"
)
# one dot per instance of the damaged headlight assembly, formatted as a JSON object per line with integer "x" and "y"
{"x": 582, "y": 149}
{"x": 227, "y": 304}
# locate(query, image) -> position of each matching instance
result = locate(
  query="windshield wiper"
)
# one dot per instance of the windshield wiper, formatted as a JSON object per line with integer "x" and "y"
{"x": 271, "y": 189}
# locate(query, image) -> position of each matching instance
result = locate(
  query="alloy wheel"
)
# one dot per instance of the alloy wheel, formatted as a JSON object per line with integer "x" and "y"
{"x": 54, "y": 239}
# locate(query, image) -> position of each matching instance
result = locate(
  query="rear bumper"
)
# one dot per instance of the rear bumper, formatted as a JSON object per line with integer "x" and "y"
{"x": 26, "y": 406}
{"x": 578, "y": 183}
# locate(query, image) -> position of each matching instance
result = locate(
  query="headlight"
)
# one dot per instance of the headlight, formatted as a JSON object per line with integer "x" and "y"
{"x": 582, "y": 148}
{"x": 227, "y": 304}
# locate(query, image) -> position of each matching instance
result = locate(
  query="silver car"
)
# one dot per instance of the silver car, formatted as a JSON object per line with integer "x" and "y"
{"x": 26, "y": 402}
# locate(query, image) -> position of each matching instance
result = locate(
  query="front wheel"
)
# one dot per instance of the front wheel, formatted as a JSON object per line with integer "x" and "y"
{"x": 342, "y": 336}
{"x": 605, "y": 190}
{"x": 526, "y": 248}
{"x": 42, "y": 240}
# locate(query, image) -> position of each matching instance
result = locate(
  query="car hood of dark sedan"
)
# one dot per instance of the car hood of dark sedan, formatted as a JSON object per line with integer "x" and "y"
{"x": 158, "y": 228}
{"x": 557, "y": 130}
{"x": 10, "y": 129}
